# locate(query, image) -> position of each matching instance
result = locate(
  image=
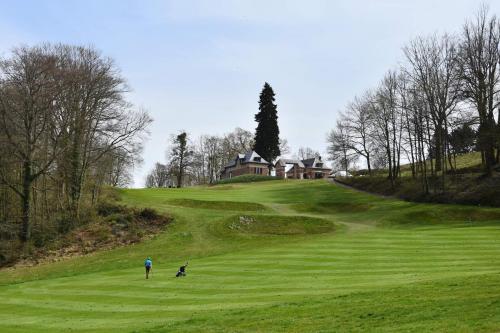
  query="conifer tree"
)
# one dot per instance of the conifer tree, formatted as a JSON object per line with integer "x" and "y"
{"x": 267, "y": 132}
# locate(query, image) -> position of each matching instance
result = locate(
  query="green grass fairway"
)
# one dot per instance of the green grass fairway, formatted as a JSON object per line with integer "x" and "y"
{"x": 277, "y": 256}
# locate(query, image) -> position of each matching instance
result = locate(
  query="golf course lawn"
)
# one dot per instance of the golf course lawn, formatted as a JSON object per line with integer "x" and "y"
{"x": 276, "y": 256}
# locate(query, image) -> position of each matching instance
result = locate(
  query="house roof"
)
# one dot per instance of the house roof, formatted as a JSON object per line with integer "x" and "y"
{"x": 307, "y": 163}
{"x": 285, "y": 161}
{"x": 248, "y": 157}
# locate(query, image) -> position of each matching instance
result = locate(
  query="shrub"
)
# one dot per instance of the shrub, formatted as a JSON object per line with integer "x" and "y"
{"x": 247, "y": 179}
{"x": 148, "y": 214}
{"x": 106, "y": 208}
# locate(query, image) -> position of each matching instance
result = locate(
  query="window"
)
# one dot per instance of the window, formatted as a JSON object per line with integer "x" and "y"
{"x": 258, "y": 171}
{"x": 256, "y": 159}
{"x": 319, "y": 165}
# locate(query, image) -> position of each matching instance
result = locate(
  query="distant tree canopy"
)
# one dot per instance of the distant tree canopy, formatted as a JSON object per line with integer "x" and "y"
{"x": 159, "y": 176}
{"x": 306, "y": 152}
{"x": 210, "y": 153}
{"x": 267, "y": 141}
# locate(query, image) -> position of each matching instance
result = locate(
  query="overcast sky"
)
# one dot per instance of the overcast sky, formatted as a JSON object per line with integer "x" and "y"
{"x": 200, "y": 65}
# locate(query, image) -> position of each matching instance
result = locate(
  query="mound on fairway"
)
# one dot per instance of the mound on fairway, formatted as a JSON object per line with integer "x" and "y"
{"x": 217, "y": 205}
{"x": 333, "y": 207}
{"x": 278, "y": 225}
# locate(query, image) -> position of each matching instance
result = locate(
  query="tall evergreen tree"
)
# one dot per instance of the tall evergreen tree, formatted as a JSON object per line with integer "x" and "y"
{"x": 267, "y": 142}
{"x": 181, "y": 157}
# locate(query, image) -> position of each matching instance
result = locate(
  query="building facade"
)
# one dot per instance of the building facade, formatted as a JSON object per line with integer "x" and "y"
{"x": 249, "y": 163}
{"x": 311, "y": 168}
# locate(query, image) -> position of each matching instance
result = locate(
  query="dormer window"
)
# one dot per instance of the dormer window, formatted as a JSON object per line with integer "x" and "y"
{"x": 257, "y": 159}
{"x": 319, "y": 165}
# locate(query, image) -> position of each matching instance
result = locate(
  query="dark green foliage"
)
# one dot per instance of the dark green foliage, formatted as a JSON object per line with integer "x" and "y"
{"x": 148, "y": 214}
{"x": 267, "y": 132}
{"x": 181, "y": 157}
{"x": 463, "y": 139}
{"x": 107, "y": 208}
{"x": 247, "y": 179}
{"x": 120, "y": 214}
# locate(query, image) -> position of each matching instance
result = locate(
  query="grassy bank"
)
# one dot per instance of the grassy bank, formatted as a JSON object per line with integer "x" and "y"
{"x": 278, "y": 256}
{"x": 465, "y": 184}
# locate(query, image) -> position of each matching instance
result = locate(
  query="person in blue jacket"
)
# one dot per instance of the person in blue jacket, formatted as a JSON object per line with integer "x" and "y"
{"x": 148, "y": 264}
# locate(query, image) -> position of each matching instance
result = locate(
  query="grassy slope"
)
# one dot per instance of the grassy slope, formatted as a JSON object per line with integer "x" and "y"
{"x": 465, "y": 185}
{"x": 387, "y": 266}
{"x": 463, "y": 161}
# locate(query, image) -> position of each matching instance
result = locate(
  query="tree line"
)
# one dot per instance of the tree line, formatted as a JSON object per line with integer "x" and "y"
{"x": 442, "y": 101}
{"x": 66, "y": 130}
{"x": 201, "y": 161}
{"x": 204, "y": 157}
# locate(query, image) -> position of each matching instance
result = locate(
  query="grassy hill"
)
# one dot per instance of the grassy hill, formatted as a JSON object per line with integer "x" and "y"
{"x": 277, "y": 256}
{"x": 466, "y": 184}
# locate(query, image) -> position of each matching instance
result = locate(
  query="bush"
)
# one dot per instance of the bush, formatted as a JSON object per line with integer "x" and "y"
{"x": 64, "y": 224}
{"x": 148, "y": 214}
{"x": 122, "y": 218}
{"x": 247, "y": 179}
{"x": 106, "y": 208}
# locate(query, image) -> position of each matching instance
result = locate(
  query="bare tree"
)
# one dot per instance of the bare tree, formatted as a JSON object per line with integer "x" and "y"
{"x": 479, "y": 72}
{"x": 306, "y": 152}
{"x": 339, "y": 147}
{"x": 115, "y": 167}
{"x": 99, "y": 119}
{"x": 359, "y": 122}
{"x": 433, "y": 62}
{"x": 387, "y": 122}
{"x": 65, "y": 131}
{"x": 235, "y": 142}
{"x": 28, "y": 119}
{"x": 284, "y": 147}
{"x": 208, "y": 159}
{"x": 159, "y": 176}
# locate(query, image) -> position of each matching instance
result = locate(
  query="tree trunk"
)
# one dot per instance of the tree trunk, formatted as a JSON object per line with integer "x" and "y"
{"x": 75, "y": 174}
{"x": 438, "y": 148}
{"x": 486, "y": 139}
{"x": 368, "y": 163}
{"x": 391, "y": 176}
{"x": 26, "y": 202}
